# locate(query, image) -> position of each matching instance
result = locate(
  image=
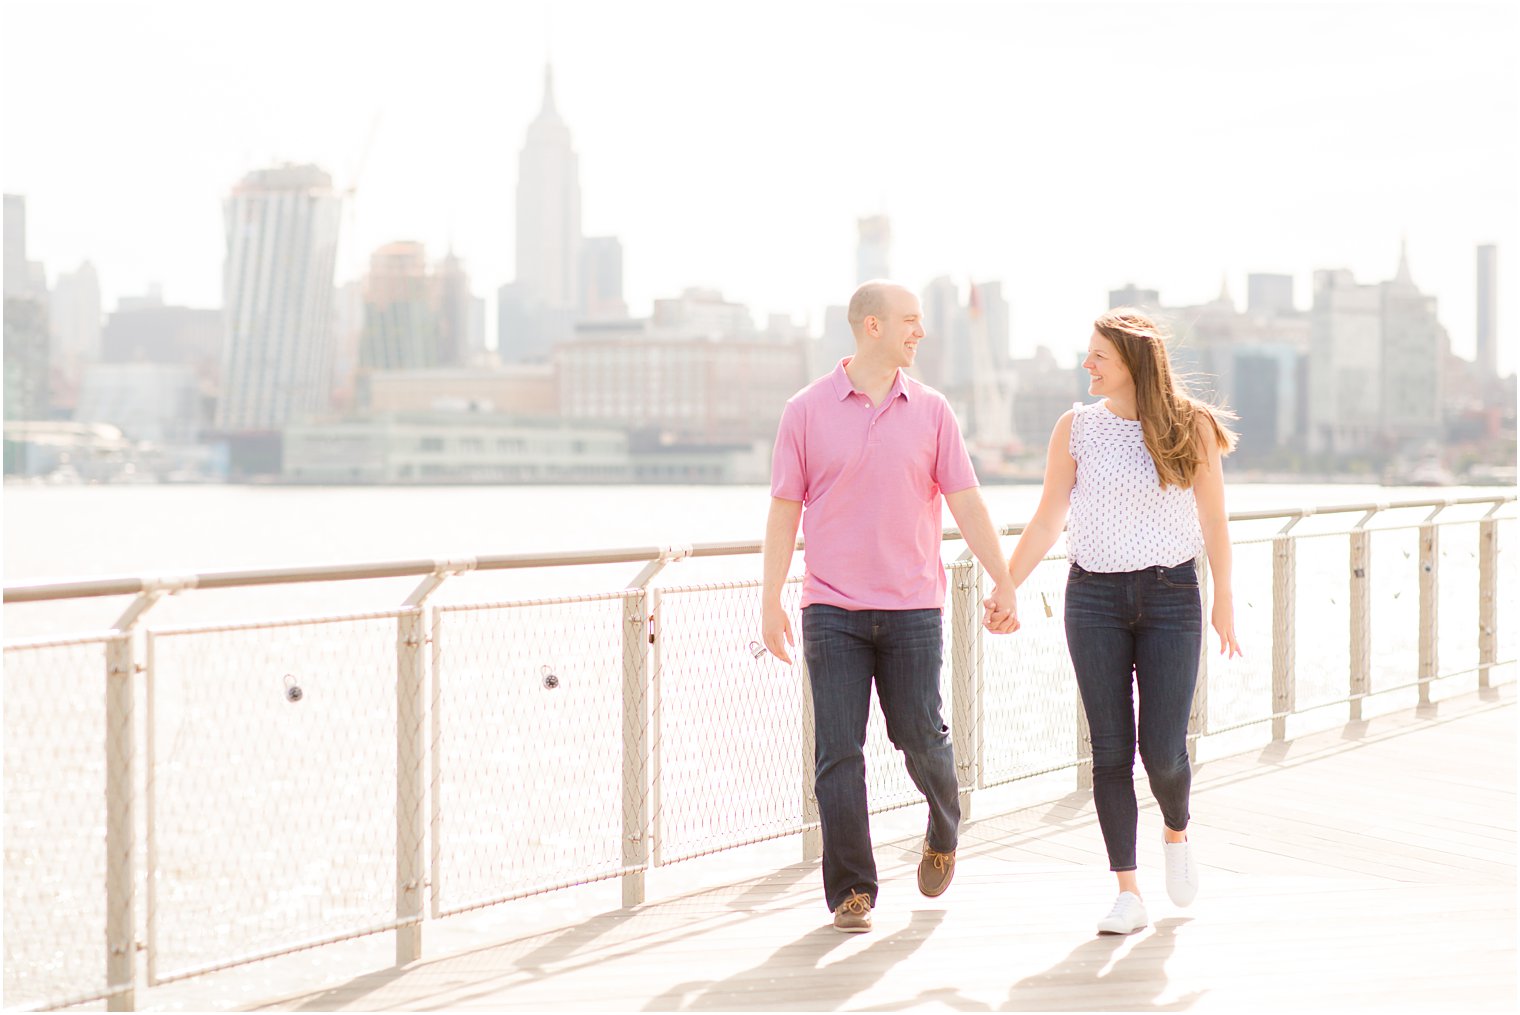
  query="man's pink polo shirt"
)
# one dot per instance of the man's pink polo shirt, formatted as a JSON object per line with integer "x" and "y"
{"x": 870, "y": 480}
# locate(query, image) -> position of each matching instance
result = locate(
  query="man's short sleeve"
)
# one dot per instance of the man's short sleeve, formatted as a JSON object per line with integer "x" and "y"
{"x": 953, "y": 471}
{"x": 789, "y": 459}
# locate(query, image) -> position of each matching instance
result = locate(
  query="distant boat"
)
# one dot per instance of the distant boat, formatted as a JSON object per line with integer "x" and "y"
{"x": 1427, "y": 471}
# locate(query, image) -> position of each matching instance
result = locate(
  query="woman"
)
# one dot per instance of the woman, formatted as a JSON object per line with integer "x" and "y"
{"x": 1139, "y": 472}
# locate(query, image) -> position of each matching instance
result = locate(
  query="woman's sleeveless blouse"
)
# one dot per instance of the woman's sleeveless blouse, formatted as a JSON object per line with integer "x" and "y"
{"x": 1121, "y": 518}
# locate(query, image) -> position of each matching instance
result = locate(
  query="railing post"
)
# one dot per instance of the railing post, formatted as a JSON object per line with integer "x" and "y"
{"x": 1430, "y": 547}
{"x": 1284, "y": 587}
{"x": 411, "y": 646}
{"x": 1360, "y": 581}
{"x": 965, "y": 679}
{"x": 656, "y": 726}
{"x": 121, "y": 920}
{"x": 812, "y": 834}
{"x": 1488, "y": 597}
{"x": 635, "y": 742}
{"x": 121, "y": 819}
{"x": 413, "y": 813}
{"x": 1198, "y": 714}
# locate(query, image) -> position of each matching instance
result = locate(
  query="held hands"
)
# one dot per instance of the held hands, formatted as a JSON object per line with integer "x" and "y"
{"x": 1000, "y": 610}
{"x": 776, "y": 630}
{"x": 1223, "y": 619}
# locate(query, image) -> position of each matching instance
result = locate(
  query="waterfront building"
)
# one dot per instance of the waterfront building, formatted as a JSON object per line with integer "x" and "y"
{"x": 282, "y": 234}
{"x": 156, "y": 402}
{"x": 453, "y": 447}
{"x": 528, "y": 390}
{"x": 696, "y": 390}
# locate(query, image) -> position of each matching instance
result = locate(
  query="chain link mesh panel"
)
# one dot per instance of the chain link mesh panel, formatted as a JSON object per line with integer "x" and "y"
{"x": 528, "y": 755}
{"x": 1321, "y": 620}
{"x": 1029, "y": 704}
{"x": 1457, "y": 602}
{"x": 55, "y": 820}
{"x": 1240, "y": 689}
{"x": 273, "y": 787}
{"x": 1507, "y": 582}
{"x": 1395, "y": 605}
{"x": 730, "y": 736}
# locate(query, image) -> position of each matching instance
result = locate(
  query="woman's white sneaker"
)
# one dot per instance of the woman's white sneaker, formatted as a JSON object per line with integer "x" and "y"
{"x": 1127, "y": 916}
{"x": 1181, "y": 872}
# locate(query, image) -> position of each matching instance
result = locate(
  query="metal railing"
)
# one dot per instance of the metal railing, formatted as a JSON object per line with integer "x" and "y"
{"x": 307, "y": 781}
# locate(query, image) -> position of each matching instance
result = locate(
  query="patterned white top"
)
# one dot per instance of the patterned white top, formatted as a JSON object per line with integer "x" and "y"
{"x": 1121, "y": 519}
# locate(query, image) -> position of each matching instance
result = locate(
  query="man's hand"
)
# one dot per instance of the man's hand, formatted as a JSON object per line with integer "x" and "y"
{"x": 776, "y": 630}
{"x": 1001, "y": 610}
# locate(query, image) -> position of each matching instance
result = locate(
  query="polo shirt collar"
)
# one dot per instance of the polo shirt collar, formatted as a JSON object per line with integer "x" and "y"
{"x": 843, "y": 388}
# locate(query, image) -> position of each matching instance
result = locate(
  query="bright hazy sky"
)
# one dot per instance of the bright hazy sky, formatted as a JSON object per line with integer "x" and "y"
{"x": 1065, "y": 148}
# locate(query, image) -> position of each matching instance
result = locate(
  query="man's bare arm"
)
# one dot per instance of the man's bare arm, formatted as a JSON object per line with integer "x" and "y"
{"x": 780, "y": 542}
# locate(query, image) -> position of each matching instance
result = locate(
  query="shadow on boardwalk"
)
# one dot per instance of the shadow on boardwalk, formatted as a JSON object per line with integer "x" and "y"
{"x": 1343, "y": 866}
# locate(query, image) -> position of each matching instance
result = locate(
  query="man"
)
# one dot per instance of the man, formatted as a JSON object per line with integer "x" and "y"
{"x": 862, "y": 457}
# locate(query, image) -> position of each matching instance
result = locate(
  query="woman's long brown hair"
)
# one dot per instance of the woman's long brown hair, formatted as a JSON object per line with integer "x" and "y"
{"x": 1173, "y": 422}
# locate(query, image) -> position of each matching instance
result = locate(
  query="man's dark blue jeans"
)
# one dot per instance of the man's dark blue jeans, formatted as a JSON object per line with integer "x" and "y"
{"x": 1140, "y": 629}
{"x": 902, "y": 650}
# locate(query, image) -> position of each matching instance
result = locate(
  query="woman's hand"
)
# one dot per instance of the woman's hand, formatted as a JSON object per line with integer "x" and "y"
{"x": 1223, "y": 620}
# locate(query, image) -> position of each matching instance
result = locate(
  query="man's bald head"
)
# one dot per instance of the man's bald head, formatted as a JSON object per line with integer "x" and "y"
{"x": 873, "y": 299}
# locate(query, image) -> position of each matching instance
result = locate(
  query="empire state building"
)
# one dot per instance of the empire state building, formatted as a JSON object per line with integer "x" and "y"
{"x": 539, "y": 308}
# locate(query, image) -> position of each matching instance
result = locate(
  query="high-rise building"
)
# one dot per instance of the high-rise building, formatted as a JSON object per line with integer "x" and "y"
{"x": 16, "y": 275}
{"x": 282, "y": 235}
{"x": 456, "y": 313}
{"x": 26, "y": 339}
{"x": 1488, "y": 311}
{"x": 702, "y": 313}
{"x": 874, "y": 248}
{"x": 1269, "y": 294}
{"x": 1133, "y": 296}
{"x": 601, "y": 279}
{"x": 400, "y": 326}
{"x": 1344, "y": 409}
{"x": 144, "y": 332}
{"x": 689, "y": 388}
{"x": 347, "y": 325}
{"x": 548, "y": 211}
{"x": 76, "y": 314}
{"x": 943, "y": 359}
{"x": 1412, "y": 360}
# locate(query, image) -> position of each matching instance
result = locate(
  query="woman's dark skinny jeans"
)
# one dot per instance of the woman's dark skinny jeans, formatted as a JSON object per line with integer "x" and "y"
{"x": 1140, "y": 628}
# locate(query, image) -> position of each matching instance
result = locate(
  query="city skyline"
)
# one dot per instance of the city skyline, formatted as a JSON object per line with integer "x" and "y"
{"x": 1004, "y": 143}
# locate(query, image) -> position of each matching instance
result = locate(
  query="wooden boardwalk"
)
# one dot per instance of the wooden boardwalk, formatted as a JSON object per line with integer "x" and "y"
{"x": 1370, "y": 867}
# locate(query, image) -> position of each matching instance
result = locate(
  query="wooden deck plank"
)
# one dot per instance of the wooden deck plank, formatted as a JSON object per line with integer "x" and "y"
{"x": 1400, "y": 895}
